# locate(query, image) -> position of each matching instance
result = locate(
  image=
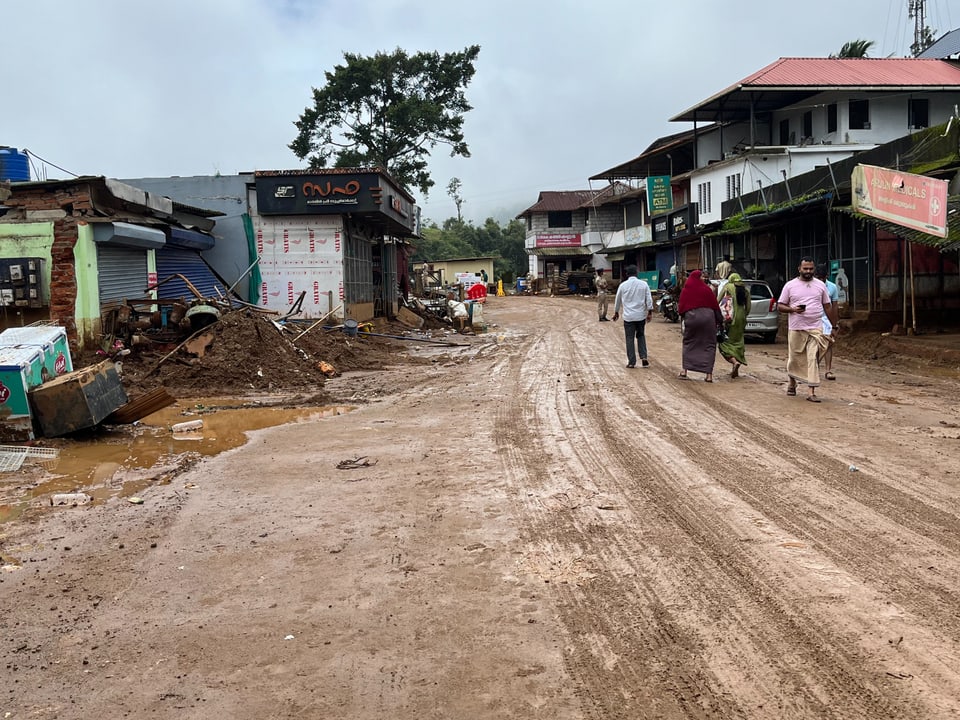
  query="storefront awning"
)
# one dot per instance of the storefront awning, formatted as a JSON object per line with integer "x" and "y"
{"x": 559, "y": 251}
{"x": 621, "y": 249}
{"x": 129, "y": 235}
{"x": 190, "y": 239}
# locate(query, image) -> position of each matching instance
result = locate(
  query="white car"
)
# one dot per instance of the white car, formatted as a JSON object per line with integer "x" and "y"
{"x": 763, "y": 318}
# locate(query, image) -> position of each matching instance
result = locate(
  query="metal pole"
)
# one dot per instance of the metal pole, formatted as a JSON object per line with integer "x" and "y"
{"x": 252, "y": 265}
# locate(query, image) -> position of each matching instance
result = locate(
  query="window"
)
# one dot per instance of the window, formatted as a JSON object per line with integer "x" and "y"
{"x": 859, "y": 114}
{"x": 733, "y": 186}
{"x": 784, "y": 132}
{"x": 529, "y": 222}
{"x": 808, "y": 124}
{"x": 918, "y": 113}
{"x": 832, "y": 118}
{"x": 703, "y": 197}
{"x": 560, "y": 218}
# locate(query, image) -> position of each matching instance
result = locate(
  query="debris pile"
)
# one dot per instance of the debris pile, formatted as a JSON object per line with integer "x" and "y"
{"x": 248, "y": 351}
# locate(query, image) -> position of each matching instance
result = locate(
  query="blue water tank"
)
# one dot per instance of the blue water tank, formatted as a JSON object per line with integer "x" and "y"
{"x": 14, "y": 165}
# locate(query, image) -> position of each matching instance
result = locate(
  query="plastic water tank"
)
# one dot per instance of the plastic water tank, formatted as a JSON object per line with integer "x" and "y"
{"x": 14, "y": 165}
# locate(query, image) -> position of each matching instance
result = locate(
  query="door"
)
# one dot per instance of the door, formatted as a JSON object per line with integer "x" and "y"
{"x": 122, "y": 272}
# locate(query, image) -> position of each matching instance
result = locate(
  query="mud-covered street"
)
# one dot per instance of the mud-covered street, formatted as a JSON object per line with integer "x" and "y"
{"x": 532, "y": 531}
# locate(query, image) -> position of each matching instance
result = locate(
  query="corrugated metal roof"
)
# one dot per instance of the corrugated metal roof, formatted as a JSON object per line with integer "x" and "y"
{"x": 559, "y": 251}
{"x": 854, "y": 72}
{"x": 668, "y": 155}
{"x": 790, "y": 80}
{"x": 946, "y": 46}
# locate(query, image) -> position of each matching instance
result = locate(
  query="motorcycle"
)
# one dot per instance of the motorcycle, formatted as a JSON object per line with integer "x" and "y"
{"x": 668, "y": 307}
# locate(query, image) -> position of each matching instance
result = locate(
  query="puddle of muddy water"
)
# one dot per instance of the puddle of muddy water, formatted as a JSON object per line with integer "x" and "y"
{"x": 121, "y": 461}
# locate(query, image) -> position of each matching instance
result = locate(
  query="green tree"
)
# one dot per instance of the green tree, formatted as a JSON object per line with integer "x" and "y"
{"x": 388, "y": 111}
{"x": 455, "y": 239}
{"x": 854, "y": 49}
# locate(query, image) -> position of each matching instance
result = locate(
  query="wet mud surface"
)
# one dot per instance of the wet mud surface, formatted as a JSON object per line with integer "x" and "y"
{"x": 532, "y": 531}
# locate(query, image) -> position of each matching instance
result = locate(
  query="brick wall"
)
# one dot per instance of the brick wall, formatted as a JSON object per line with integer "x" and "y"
{"x": 74, "y": 203}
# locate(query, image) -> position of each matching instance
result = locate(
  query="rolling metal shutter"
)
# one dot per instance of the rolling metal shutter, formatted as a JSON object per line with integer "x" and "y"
{"x": 122, "y": 272}
{"x": 190, "y": 264}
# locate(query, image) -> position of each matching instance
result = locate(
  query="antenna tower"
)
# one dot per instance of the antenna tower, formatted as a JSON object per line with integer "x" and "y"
{"x": 917, "y": 9}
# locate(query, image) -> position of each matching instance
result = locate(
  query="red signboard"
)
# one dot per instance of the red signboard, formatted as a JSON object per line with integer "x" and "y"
{"x": 558, "y": 240}
{"x": 913, "y": 201}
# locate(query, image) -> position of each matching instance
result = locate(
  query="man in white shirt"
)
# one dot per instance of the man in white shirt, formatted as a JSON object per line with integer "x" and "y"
{"x": 634, "y": 298}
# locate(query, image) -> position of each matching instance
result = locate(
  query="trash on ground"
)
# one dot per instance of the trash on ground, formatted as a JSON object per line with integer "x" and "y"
{"x": 70, "y": 499}
{"x": 359, "y": 462}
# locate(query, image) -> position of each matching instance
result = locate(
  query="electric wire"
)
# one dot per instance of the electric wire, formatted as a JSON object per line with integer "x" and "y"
{"x": 47, "y": 162}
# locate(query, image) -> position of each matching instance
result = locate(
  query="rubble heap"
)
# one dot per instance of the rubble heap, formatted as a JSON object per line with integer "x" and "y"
{"x": 245, "y": 351}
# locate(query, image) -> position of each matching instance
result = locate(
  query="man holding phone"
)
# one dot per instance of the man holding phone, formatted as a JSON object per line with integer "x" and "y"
{"x": 804, "y": 299}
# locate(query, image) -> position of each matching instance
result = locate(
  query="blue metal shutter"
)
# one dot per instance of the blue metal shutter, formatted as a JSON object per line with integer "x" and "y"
{"x": 190, "y": 264}
{"x": 122, "y": 272}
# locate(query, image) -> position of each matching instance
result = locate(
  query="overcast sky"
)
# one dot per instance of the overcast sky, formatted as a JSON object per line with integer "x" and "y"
{"x": 564, "y": 89}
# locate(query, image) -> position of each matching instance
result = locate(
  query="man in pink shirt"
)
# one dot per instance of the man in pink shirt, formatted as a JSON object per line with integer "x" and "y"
{"x": 803, "y": 299}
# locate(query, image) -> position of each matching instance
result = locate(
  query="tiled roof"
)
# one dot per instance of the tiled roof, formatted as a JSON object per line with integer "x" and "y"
{"x": 551, "y": 200}
{"x": 790, "y": 80}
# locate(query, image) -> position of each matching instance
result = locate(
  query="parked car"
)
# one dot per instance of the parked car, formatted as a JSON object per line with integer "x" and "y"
{"x": 763, "y": 318}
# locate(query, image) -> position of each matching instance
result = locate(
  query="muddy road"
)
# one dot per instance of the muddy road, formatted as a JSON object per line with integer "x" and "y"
{"x": 532, "y": 531}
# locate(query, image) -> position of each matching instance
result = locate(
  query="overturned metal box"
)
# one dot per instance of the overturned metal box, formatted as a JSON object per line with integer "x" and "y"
{"x": 77, "y": 400}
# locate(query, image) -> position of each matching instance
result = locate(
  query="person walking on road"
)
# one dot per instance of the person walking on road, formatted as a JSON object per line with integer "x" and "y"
{"x": 634, "y": 298}
{"x": 831, "y": 316}
{"x": 733, "y": 349}
{"x": 602, "y": 284}
{"x": 804, "y": 300}
{"x": 723, "y": 268}
{"x": 700, "y": 311}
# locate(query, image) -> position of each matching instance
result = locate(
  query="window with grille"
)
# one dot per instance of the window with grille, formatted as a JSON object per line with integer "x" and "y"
{"x": 733, "y": 186}
{"x": 703, "y": 197}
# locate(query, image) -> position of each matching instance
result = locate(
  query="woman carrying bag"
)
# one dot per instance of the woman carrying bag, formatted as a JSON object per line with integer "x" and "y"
{"x": 735, "y": 296}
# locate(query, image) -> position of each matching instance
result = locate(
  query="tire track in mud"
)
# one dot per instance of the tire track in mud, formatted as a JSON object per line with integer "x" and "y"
{"x": 662, "y": 646}
{"x": 836, "y": 536}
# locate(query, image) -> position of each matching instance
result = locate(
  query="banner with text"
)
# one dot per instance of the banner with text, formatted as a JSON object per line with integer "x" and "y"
{"x": 913, "y": 201}
{"x": 558, "y": 240}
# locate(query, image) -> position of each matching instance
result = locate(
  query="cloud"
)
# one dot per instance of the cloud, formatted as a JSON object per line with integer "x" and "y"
{"x": 563, "y": 89}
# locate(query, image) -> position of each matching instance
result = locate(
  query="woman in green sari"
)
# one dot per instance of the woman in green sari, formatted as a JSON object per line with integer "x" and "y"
{"x": 732, "y": 349}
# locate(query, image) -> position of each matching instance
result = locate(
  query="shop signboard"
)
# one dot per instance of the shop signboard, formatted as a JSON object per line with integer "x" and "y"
{"x": 912, "y": 201}
{"x": 659, "y": 194}
{"x": 661, "y": 229}
{"x": 333, "y": 193}
{"x": 548, "y": 240}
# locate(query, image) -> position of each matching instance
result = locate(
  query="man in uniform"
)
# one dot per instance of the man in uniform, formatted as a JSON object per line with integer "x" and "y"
{"x": 602, "y": 284}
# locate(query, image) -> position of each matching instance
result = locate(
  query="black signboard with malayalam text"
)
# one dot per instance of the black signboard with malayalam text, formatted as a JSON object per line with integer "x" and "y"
{"x": 368, "y": 194}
